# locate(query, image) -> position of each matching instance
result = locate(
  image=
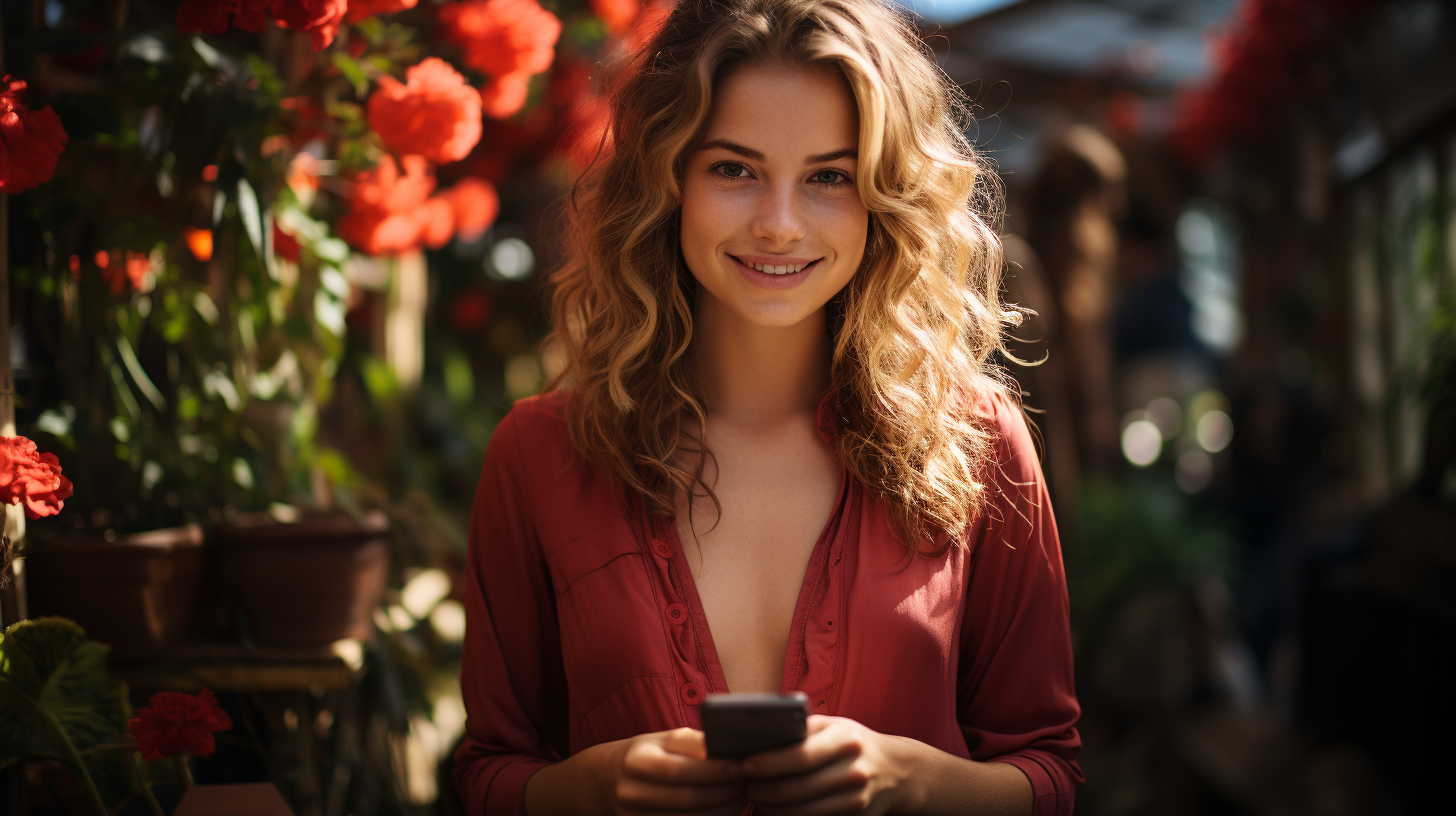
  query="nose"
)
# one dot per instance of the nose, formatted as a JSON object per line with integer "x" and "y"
{"x": 778, "y": 218}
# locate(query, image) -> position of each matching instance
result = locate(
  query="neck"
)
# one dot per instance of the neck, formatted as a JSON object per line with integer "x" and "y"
{"x": 754, "y": 375}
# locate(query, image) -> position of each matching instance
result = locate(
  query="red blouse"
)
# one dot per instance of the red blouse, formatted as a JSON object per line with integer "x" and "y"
{"x": 583, "y": 625}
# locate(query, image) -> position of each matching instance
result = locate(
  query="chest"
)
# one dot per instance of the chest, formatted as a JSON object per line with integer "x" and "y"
{"x": 749, "y": 552}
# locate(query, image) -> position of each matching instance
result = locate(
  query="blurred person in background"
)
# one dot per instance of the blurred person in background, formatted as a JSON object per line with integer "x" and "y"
{"x": 779, "y": 456}
{"x": 1071, "y": 224}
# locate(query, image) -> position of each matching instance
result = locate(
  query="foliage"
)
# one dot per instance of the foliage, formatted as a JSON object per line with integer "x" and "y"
{"x": 1137, "y": 535}
{"x": 57, "y": 702}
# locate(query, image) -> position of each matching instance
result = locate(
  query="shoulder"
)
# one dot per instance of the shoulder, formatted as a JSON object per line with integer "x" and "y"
{"x": 537, "y": 420}
{"x": 1013, "y": 467}
{"x": 532, "y": 445}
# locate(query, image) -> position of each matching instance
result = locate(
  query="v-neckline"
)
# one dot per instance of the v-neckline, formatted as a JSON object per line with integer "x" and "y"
{"x": 813, "y": 571}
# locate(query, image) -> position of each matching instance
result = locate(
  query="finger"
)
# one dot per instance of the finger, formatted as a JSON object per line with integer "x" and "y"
{"x": 836, "y": 805}
{"x": 830, "y": 779}
{"x": 686, "y": 741}
{"x": 651, "y": 762}
{"x": 641, "y": 794}
{"x": 818, "y": 749}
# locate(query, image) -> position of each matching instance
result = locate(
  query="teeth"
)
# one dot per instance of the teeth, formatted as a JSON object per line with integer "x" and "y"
{"x": 770, "y": 269}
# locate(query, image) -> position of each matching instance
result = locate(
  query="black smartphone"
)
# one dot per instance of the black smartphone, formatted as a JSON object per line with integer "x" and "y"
{"x": 737, "y": 725}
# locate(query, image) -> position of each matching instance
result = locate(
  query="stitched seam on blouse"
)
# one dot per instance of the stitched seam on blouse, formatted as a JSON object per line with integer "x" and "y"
{"x": 578, "y": 578}
{"x": 598, "y": 703}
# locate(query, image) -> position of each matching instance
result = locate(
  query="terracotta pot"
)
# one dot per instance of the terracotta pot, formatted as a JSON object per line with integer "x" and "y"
{"x": 308, "y": 583}
{"x": 136, "y": 594}
{"x": 256, "y": 799}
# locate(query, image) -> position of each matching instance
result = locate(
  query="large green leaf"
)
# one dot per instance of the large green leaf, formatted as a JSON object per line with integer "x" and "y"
{"x": 58, "y": 702}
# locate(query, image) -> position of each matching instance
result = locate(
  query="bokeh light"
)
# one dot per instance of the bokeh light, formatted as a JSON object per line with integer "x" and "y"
{"x": 1194, "y": 470}
{"x": 1215, "y": 431}
{"x": 1142, "y": 442}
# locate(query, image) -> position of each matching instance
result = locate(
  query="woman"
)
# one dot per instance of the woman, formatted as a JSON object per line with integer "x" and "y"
{"x": 783, "y": 461}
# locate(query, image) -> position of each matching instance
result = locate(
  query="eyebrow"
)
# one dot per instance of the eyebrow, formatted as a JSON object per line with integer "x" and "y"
{"x": 750, "y": 153}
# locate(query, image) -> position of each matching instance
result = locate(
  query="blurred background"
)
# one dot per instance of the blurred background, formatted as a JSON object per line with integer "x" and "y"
{"x": 267, "y": 329}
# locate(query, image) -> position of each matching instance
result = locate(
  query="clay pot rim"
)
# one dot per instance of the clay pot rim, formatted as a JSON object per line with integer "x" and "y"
{"x": 186, "y": 536}
{"x": 248, "y": 528}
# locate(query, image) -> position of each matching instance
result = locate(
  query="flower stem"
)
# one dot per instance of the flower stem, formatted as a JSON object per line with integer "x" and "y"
{"x": 183, "y": 769}
{"x": 138, "y": 768}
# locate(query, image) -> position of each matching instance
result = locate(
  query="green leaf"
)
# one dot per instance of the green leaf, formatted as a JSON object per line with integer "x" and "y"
{"x": 252, "y": 216}
{"x": 58, "y": 702}
{"x": 349, "y": 67}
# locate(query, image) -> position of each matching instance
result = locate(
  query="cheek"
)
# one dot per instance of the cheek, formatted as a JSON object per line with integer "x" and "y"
{"x": 699, "y": 220}
{"x": 846, "y": 223}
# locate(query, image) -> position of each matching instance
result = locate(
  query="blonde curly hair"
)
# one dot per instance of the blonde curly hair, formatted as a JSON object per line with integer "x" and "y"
{"x": 913, "y": 333}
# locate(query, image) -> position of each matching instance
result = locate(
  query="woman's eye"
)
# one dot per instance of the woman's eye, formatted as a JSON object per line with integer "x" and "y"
{"x": 830, "y": 178}
{"x": 732, "y": 170}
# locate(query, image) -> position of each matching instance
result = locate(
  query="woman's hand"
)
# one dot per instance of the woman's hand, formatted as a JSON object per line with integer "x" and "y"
{"x": 842, "y": 767}
{"x": 662, "y": 772}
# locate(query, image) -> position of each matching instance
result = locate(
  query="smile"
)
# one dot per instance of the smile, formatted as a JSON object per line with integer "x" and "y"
{"x": 791, "y": 266}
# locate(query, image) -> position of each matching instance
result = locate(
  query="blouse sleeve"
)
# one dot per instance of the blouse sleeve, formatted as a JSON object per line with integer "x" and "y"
{"x": 1016, "y": 699}
{"x": 510, "y": 674}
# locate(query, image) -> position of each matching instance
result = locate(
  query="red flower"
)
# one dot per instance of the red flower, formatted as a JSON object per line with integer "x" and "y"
{"x": 176, "y": 722}
{"x": 504, "y": 95}
{"x": 320, "y": 18}
{"x": 381, "y": 217}
{"x": 648, "y": 23}
{"x": 435, "y": 114}
{"x": 31, "y": 477}
{"x": 507, "y": 39}
{"x": 31, "y": 141}
{"x": 475, "y": 204}
{"x": 587, "y": 136}
{"x": 360, "y": 9}
{"x": 285, "y": 246}
{"x": 199, "y": 241}
{"x": 203, "y": 16}
{"x": 616, "y": 14}
{"x": 469, "y": 311}
{"x": 137, "y": 267}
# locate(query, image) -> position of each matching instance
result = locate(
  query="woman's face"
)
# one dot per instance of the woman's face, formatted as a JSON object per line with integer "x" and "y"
{"x": 772, "y": 223}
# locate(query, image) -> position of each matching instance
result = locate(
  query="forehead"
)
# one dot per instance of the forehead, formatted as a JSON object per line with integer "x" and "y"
{"x": 784, "y": 111}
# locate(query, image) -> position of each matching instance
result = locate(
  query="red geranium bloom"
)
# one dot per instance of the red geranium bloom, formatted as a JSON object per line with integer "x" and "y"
{"x": 469, "y": 311}
{"x": 381, "y": 216}
{"x": 320, "y": 18}
{"x": 504, "y": 95}
{"x": 360, "y": 9}
{"x": 475, "y": 204}
{"x": 436, "y": 220}
{"x": 647, "y": 24}
{"x": 506, "y": 39}
{"x": 31, "y": 477}
{"x": 137, "y": 267}
{"x": 204, "y": 16}
{"x": 177, "y": 722}
{"x": 199, "y": 241}
{"x": 617, "y": 15}
{"x": 433, "y": 114}
{"x": 31, "y": 141}
{"x": 285, "y": 246}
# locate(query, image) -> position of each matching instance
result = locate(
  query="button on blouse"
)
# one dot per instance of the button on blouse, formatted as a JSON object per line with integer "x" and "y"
{"x": 583, "y": 627}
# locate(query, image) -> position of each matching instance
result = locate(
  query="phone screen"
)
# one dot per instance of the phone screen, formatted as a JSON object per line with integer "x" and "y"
{"x": 737, "y": 725}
